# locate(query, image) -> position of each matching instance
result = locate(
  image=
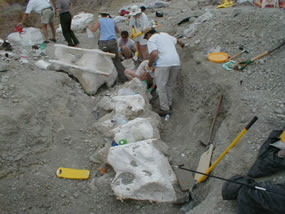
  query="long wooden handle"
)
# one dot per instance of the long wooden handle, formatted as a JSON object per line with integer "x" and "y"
{"x": 215, "y": 120}
{"x": 260, "y": 56}
{"x": 87, "y": 50}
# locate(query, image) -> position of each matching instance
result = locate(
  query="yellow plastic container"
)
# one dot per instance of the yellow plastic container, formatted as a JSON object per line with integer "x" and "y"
{"x": 218, "y": 57}
{"x": 69, "y": 173}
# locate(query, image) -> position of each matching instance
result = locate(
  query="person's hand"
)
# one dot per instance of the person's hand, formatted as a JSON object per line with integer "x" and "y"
{"x": 135, "y": 58}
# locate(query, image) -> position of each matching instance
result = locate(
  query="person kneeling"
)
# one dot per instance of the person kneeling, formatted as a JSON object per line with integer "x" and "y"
{"x": 127, "y": 46}
{"x": 142, "y": 74}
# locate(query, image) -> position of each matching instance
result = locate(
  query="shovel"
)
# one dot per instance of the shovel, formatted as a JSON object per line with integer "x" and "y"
{"x": 242, "y": 65}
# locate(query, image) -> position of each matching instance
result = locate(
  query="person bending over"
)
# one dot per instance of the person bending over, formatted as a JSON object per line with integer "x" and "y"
{"x": 46, "y": 11}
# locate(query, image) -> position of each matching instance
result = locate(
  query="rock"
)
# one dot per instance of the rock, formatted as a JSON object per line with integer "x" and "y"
{"x": 44, "y": 65}
{"x": 142, "y": 172}
{"x": 79, "y": 22}
{"x": 3, "y": 67}
{"x": 189, "y": 32}
{"x": 101, "y": 155}
{"x": 155, "y": 4}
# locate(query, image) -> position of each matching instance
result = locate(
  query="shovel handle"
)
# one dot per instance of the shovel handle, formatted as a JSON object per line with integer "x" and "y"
{"x": 236, "y": 55}
{"x": 251, "y": 123}
{"x": 260, "y": 56}
{"x": 202, "y": 178}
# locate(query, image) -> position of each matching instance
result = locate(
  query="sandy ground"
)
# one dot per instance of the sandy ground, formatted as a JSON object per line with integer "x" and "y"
{"x": 47, "y": 119}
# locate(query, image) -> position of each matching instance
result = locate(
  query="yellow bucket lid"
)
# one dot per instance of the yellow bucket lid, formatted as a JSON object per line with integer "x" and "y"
{"x": 282, "y": 136}
{"x": 218, "y": 57}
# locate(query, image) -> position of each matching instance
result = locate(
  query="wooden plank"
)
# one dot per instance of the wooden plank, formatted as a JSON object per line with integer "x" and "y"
{"x": 87, "y": 50}
{"x": 204, "y": 162}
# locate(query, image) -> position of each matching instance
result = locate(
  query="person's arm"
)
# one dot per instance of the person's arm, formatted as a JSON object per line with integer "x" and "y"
{"x": 152, "y": 58}
{"x": 53, "y": 4}
{"x": 57, "y": 7}
{"x": 180, "y": 43}
{"x": 94, "y": 28}
{"x": 117, "y": 28}
{"x": 23, "y": 19}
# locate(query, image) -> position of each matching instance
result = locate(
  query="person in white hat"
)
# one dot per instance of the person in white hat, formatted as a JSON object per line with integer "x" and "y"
{"x": 108, "y": 40}
{"x": 139, "y": 22}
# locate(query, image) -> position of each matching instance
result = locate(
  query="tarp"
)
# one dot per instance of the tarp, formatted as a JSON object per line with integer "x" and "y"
{"x": 267, "y": 161}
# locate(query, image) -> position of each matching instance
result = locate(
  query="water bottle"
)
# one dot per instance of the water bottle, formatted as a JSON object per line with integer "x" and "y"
{"x": 114, "y": 143}
{"x": 167, "y": 117}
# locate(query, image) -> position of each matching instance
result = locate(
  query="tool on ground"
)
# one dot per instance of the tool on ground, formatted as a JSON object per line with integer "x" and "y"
{"x": 218, "y": 57}
{"x": 227, "y": 180}
{"x": 242, "y": 65}
{"x": 226, "y": 3}
{"x": 205, "y": 159}
{"x": 228, "y": 148}
{"x": 243, "y": 50}
{"x": 204, "y": 162}
{"x": 186, "y": 20}
{"x": 221, "y": 57}
{"x": 72, "y": 173}
{"x": 209, "y": 141}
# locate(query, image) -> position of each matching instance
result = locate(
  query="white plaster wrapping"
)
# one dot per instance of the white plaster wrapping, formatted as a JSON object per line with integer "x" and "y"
{"x": 142, "y": 172}
{"x": 91, "y": 67}
{"x": 29, "y": 37}
{"x": 79, "y": 22}
{"x": 130, "y": 105}
{"x": 135, "y": 130}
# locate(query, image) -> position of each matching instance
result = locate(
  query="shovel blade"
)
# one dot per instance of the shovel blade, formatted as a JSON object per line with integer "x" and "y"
{"x": 204, "y": 162}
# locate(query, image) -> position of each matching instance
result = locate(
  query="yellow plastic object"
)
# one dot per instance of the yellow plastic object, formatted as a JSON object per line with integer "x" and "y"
{"x": 72, "y": 173}
{"x": 134, "y": 33}
{"x": 235, "y": 141}
{"x": 282, "y": 136}
{"x": 225, "y": 4}
{"x": 218, "y": 57}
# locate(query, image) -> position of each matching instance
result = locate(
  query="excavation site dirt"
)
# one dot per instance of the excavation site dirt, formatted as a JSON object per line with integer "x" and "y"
{"x": 49, "y": 118}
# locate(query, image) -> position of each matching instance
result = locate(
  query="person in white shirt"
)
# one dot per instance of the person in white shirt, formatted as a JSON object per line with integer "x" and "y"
{"x": 164, "y": 58}
{"x": 142, "y": 74}
{"x": 46, "y": 11}
{"x": 139, "y": 22}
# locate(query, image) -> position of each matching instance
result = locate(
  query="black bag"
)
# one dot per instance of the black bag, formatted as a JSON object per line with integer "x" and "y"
{"x": 267, "y": 161}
